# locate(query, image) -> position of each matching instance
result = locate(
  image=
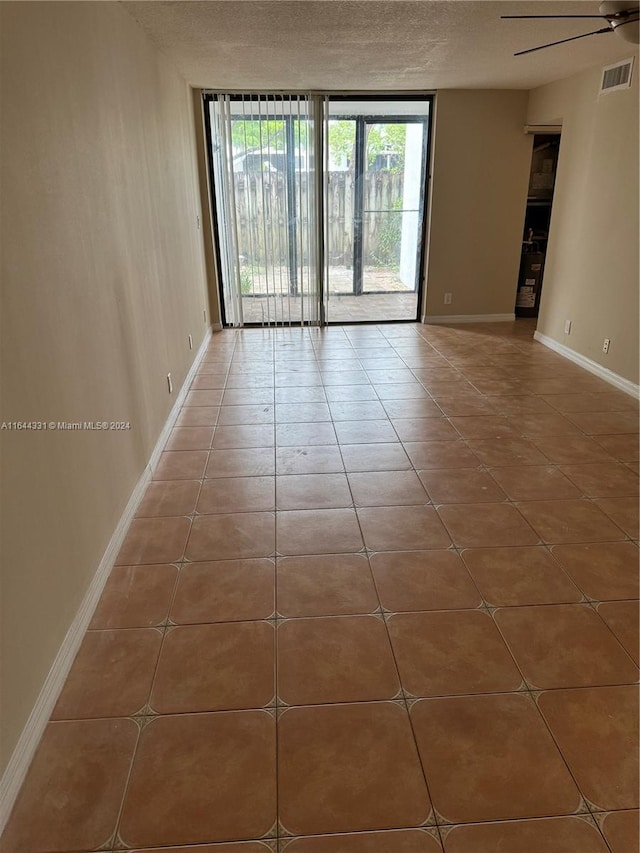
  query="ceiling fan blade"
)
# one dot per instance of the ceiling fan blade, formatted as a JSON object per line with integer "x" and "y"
{"x": 562, "y": 41}
{"x": 530, "y": 17}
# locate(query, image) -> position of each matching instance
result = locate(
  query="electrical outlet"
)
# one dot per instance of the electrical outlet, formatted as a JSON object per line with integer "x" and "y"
{"x": 169, "y": 383}
{"x": 567, "y": 327}
{"x": 606, "y": 345}
{"x": 190, "y": 342}
{"x": 448, "y": 298}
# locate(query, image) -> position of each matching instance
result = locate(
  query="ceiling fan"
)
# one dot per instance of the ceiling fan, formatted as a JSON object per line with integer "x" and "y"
{"x": 622, "y": 18}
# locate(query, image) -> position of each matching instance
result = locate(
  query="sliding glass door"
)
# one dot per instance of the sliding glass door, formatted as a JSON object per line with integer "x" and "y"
{"x": 320, "y": 205}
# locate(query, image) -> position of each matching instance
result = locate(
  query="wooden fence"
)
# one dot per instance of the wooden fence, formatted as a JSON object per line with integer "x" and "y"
{"x": 263, "y": 223}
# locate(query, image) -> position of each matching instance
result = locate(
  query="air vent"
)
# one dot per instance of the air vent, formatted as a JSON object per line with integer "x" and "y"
{"x": 616, "y": 77}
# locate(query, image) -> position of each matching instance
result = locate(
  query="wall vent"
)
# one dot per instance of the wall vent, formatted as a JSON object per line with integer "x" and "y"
{"x": 616, "y": 77}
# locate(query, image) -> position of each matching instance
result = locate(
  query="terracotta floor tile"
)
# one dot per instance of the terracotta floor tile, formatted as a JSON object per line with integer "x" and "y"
{"x": 484, "y": 426}
{"x": 515, "y": 406}
{"x": 135, "y": 597}
{"x": 245, "y": 462}
{"x": 601, "y": 402}
{"x": 309, "y": 460}
{"x": 506, "y": 452}
{"x": 487, "y": 524}
{"x": 71, "y": 796}
{"x": 111, "y": 675}
{"x": 295, "y": 435}
{"x": 169, "y": 497}
{"x": 234, "y": 847}
{"x": 535, "y": 482}
{"x": 365, "y": 432}
{"x": 225, "y": 591}
{"x": 231, "y": 537}
{"x": 198, "y": 416}
{"x": 515, "y": 576}
{"x": 407, "y": 528}
{"x": 597, "y": 732}
{"x": 542, "y": 423}
{"x": 250, "y": 414}
{"x": 441, "y": 454}
{"x": 626, "y": 448}
{"x": 375, "y": 457}
{"x": 240, "y": 397}
{"x": 190, "y": 438}
{"x": 412, "y": 409}
{"x": 622, "y": 617}
{"x": 312, "y": 394}
{"x": 603, "y": 479}
{"x": 181, "y": 465}
{"x": 555, "y": 835}
{"x": 461, "y": 485}
{"x": 605, "y": 423}
{"x": 330, "y": 585}
{"x": 201, "y": 778}
{"x": 387, "y": 488}
{"x": 209, "y": 380}
{"x": 571, "y": 449}
{"x": 603, "y": 571}
{"x": 564, "y": 645}
{"x": 350, "y": 393}
{"x": 621, "y": 831}
{"x": 393, "y": 376}
{"x": 313, "y": 491}
{"x": 344, "y": 377}
{"x": 225, "y": 666}
{"x": 569, "y": 521}
{"x": 402, "y": 391}
{"x": 466, "y": 407}
{"x": 203, "y": 398}
{"x": 335, "y": 659}
{"x": 296, "y": 413}
{"x": 347, "y": 768}
{"x": 423, "y": 580}
{"x": 425, "y": 429}
{"x": 392, "y": 841}
{"x": 491, "y": 758}
{"x": 243, "y": 435}
{"x": 623, "y": 512}
{"x": 445, "y": 653}
{"x": 237, "y": 494}
{"x": 154, "y": 540}
{"x": 317, "y": 531}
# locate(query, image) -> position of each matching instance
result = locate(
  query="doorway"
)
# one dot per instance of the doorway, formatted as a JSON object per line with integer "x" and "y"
{"x": 319, "y": 204}
{"x": 542, "y": 178}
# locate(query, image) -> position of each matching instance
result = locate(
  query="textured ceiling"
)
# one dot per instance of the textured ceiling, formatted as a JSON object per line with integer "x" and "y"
{"x": 341, "y": 45}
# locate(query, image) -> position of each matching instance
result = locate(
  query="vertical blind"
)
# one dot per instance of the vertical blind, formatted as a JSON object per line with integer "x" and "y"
{"x": 268, "y": 172}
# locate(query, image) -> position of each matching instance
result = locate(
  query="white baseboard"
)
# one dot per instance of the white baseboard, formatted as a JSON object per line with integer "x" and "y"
{"x": 588, "y": 364}
{"x": 467, "y": 318}
{"x": 21, "y": 758}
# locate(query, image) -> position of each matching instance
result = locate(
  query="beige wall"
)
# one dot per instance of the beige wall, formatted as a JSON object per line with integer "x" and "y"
{"x": 481, "y": 163}
{"x": 103, "y": 280}
{"x": 591, "y": 271}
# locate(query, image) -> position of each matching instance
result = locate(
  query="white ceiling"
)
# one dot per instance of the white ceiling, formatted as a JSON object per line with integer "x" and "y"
{"x": 341, "y": 45}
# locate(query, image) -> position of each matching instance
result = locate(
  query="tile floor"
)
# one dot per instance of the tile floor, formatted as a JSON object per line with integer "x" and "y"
{"x": 380, "y": 597}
